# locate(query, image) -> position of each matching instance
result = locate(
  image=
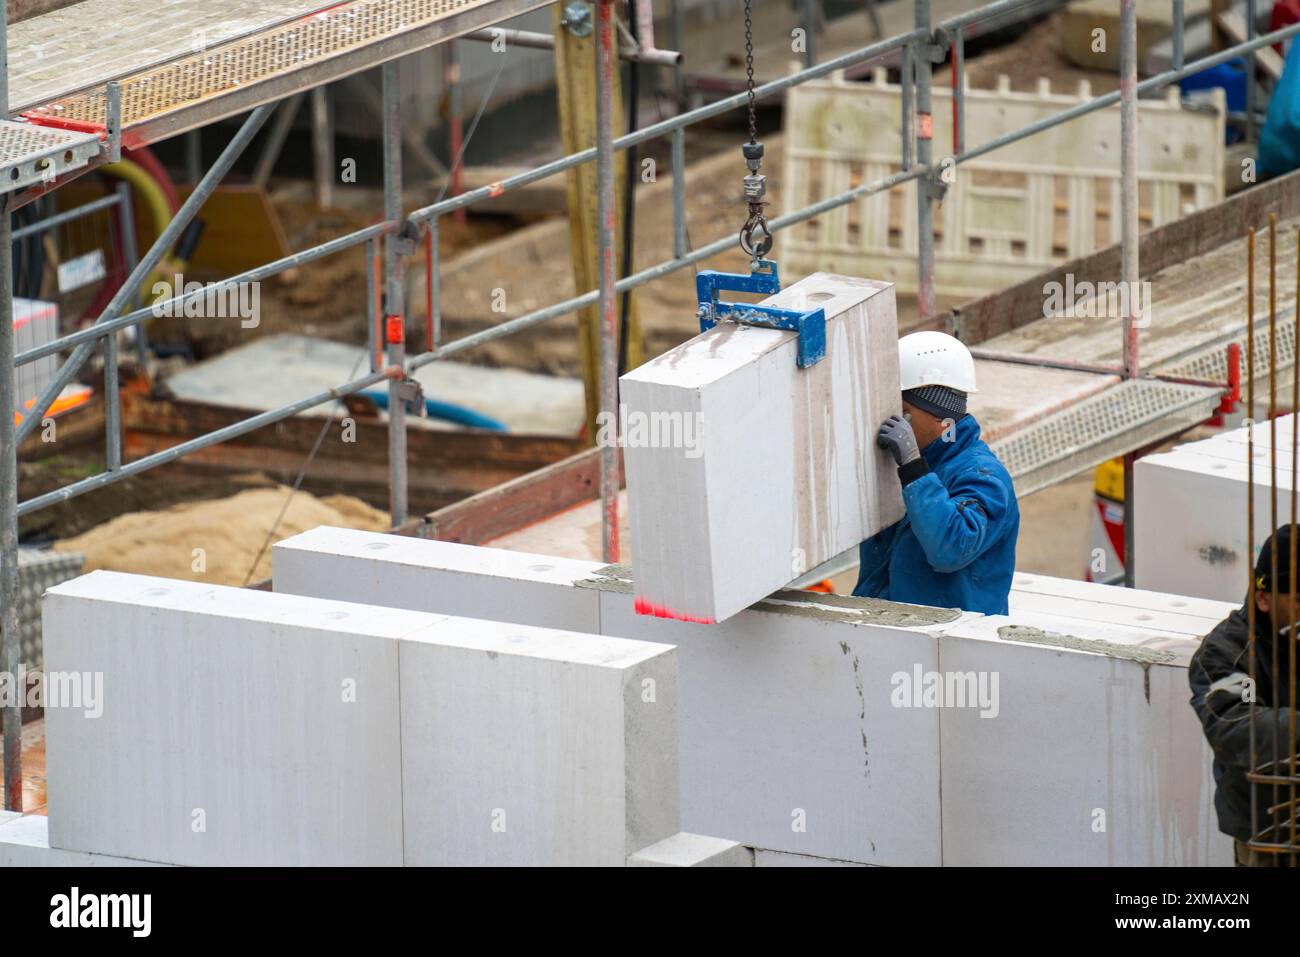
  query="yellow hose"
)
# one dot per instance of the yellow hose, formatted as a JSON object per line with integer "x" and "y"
{"x": 155, "y": 200}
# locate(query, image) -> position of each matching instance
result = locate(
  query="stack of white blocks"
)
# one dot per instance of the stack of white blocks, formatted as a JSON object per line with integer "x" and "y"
{"x": 297, "y": 727}
{"x": 1190, "y": 512}
{"x": 799, "y": 730}
{"x": 776, "y": 470}
{"x": 244, "y": 727}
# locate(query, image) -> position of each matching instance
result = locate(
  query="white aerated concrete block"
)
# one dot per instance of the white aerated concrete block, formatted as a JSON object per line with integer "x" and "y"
{"x": 246, "y": 727}
{"x": 1090, "y": 757}
{"x": 793, "y": 741}
{"x": 227, "y": 736}
{"x": 1113, "y": 604}
{"x": 527, "y": 746}
{"x": 789, "y": 738}
{"x": 1189, "y": 520}
{"x": 768, "y": 469}
{"x": 25, "y": 842}
{"x": 352, "y": 565}
{"x": 693, "y": 850}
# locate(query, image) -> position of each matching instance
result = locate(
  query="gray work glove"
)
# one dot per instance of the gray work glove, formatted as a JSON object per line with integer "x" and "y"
{"x": 897, "y": 436}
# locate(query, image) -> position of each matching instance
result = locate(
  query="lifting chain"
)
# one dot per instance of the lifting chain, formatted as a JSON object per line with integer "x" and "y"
{"x": 755, "y": 237}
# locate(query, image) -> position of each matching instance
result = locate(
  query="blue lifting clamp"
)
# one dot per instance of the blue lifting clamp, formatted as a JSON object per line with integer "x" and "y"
{"x": 811, "y": 326}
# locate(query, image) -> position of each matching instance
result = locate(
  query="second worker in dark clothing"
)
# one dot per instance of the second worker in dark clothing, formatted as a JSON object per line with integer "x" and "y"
{"x": 1222, "y": 692}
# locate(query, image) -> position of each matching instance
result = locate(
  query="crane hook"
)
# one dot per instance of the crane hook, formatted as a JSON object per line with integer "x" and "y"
{"x": 755, "y": 237}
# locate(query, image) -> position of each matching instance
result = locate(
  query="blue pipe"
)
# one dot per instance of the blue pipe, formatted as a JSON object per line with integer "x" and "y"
{"x": 446, "y": 411}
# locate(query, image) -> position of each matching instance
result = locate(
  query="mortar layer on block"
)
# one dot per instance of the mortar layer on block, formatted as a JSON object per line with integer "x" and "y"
{"x": 1037, "y": 636}
{"x": 841, "y": 608}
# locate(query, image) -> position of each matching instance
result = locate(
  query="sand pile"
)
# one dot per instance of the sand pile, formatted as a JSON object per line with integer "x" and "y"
{"x": 217, "y": 540}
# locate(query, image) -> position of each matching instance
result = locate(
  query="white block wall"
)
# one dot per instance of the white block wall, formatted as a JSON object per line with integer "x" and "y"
{"x": 529, "y": 746}
{"x": 25, "y": 842}
{"x": 789, "y": 741}
{"x": 321, "y": 564}
{"x": 786, "y": 708}
{"x": 304, "y": 731}
{"x": 769, "y": 755}
{"x": 1170, "y": 614}
{"x": 1092, "y": 759}
{"x": 787, "y": 474}
{"x": 224, "y": 737}
{"x": 1190, "y": 529}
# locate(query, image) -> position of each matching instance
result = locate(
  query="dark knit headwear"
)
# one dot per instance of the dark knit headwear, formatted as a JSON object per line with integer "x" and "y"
{"x": 1264, "y": 563}
{"x": 939, "y": 400}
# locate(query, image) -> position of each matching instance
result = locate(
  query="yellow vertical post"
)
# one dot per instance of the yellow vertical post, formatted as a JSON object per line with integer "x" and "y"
{"x": 575, "y": 71}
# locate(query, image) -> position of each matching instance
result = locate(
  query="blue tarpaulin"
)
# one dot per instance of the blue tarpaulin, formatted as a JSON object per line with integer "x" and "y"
{"x": 1279, "y": 141}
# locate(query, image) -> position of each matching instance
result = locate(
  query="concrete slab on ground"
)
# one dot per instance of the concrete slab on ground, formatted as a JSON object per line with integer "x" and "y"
{"x": 277, "y": 370}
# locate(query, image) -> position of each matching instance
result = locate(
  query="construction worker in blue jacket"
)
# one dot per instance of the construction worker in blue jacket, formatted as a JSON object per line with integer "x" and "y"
{"x": 956, "y": 545}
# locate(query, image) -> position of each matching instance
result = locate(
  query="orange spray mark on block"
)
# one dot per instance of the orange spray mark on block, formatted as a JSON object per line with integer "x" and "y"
{"x": 644, "y": 607}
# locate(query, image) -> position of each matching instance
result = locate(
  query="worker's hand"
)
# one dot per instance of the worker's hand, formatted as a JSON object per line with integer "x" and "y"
{"x": 897, "y": 436}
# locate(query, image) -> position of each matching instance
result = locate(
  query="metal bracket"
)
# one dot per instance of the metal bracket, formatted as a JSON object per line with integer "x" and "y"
{"x": 577, "y": 18}
{"x": 113, "y": 122}
{"x": 763, "y": 278}
{"x": 407, "y": 239}
{"x": 411, "y": 392}
{"x": 933, "y": 183}
{"x": 935, "y": 52}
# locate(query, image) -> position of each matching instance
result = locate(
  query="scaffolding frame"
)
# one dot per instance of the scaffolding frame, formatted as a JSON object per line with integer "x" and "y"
{"x": 920, "y": 49}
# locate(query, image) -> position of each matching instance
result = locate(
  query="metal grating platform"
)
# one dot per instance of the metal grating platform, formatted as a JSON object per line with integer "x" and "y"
{"x": 1126, "y": 417}
{"x": 1211, "y": 362}
{"x": 236, "y": 76}
{"x": 51, "y": 55}
{"x": 31, "y": 155}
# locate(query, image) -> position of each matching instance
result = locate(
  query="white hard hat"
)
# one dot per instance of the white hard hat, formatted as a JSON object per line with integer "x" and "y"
{"x": 935, "y": 358}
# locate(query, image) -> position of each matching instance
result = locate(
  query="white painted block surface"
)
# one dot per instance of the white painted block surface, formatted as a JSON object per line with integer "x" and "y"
{"x": 1190, "y": 530}
{"x": 789, "y": 740}
{"x": 693, "y": 850}
{"x": 772, "y": 719}
{"x": 781, "y": 711}
{"x": 246, "y": 727}
{"x": 25, "y": 842}
{"x": 785, "y": 473}
{"x": 225, "y": 737}
{"x": 1166, "y": 623}
{"x": 1080, "y": 599}
{"x": 528, "y": 746}
{"x": 399, "y": 572}
{"x": 1263, "y": 430}
{"x": 1092, "y": 758}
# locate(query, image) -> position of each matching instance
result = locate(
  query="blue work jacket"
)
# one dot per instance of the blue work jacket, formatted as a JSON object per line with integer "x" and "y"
{"x": 956, "y": 546}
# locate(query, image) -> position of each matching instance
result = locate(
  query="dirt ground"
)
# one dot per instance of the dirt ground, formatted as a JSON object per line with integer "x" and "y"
{"x": 1038, "y": 53}
{"x": 224, "y": 541}
{"x": 157, "y": 489}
